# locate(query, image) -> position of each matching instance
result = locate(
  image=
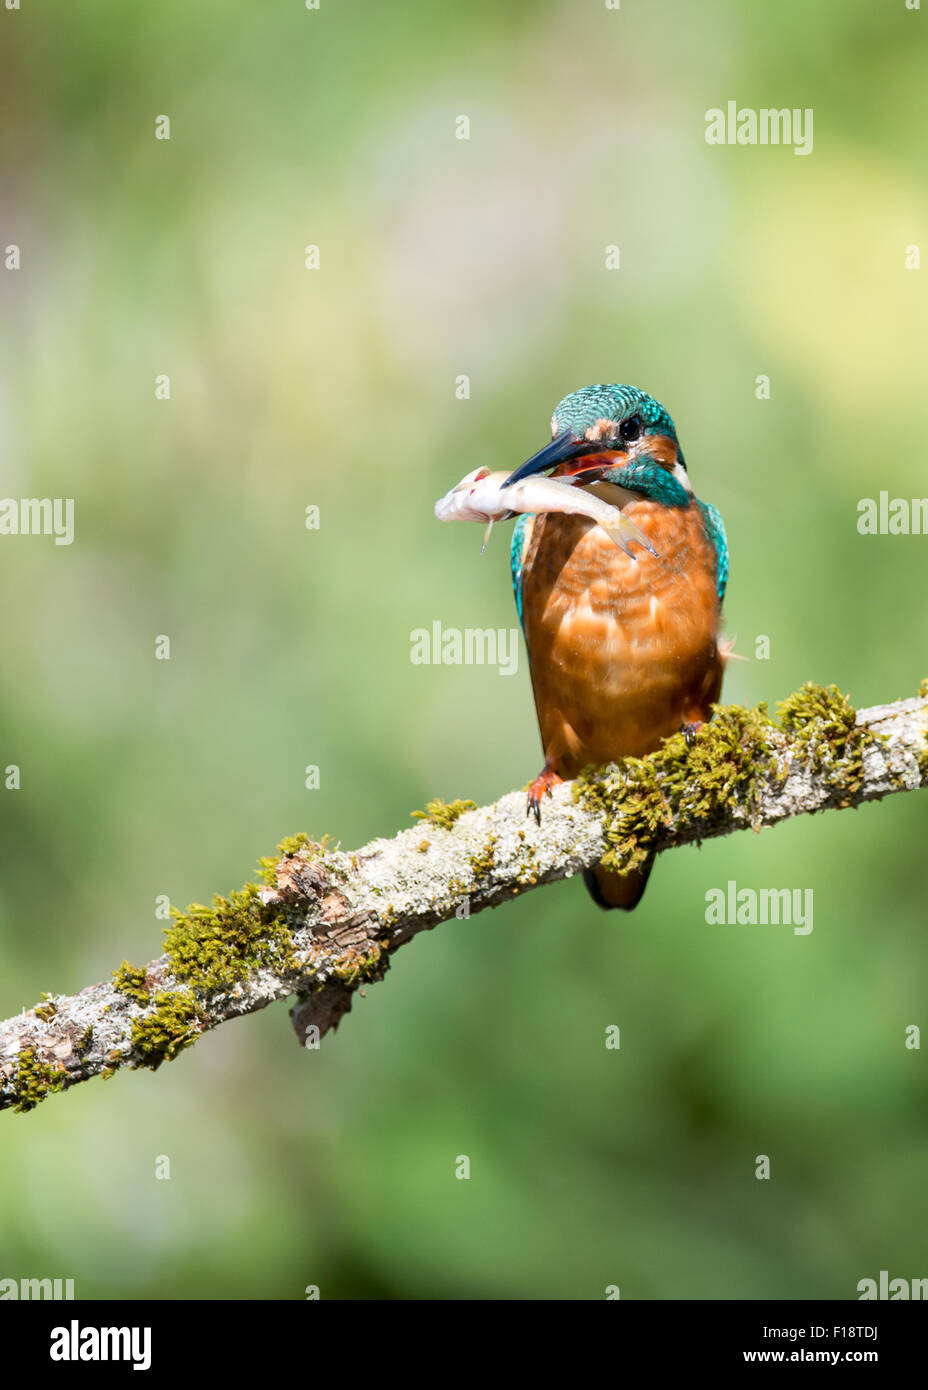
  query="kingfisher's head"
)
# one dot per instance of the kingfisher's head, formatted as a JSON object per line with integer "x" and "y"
{"x": 601, "y": 427}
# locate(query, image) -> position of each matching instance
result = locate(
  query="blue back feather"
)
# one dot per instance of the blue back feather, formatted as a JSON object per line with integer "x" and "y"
{"x": 517, "y": 548}
{"x": 715, "y": 530}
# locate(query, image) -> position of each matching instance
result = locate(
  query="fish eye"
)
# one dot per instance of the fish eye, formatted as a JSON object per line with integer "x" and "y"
{"x": 630, "y": 429}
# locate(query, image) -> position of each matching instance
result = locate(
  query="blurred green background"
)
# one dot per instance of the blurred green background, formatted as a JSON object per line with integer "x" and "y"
{"x": 336, "y": 387}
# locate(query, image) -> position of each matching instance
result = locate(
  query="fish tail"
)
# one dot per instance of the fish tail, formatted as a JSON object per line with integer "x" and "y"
{"x": 623, "y": 532}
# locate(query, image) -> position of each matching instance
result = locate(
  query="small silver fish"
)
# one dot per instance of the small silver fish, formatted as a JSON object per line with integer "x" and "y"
{"x": 481, "y": 496}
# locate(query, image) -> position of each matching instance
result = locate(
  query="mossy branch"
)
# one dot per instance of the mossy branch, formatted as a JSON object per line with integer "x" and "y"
{"x": 323, "y": 922}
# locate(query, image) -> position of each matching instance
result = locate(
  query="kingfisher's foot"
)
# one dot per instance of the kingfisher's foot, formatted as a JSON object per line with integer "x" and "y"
{"x": 546, "y": 779}
{"x": 690, "y": 730}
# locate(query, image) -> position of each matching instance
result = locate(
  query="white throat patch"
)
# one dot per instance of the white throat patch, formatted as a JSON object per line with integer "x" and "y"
{"x": 679, "y": 472}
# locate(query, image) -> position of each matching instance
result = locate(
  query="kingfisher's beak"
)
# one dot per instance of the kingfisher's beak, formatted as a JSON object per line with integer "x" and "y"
{"x": 565, "y": 446}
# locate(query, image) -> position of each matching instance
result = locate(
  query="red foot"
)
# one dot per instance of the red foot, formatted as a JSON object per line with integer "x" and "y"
{"x": 542, "y": 785}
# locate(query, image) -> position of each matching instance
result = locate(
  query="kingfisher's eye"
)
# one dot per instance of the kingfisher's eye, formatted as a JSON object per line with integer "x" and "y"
{"x": 630, "y": 429}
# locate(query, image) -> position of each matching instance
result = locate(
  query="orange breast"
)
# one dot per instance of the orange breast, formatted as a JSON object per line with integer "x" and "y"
{"x": 622, "y": 652}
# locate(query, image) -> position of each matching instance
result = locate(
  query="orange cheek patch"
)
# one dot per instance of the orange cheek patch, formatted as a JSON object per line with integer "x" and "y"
{"x": 657, "y": 446}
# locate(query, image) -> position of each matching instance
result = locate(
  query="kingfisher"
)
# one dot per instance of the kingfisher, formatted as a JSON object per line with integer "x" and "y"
{"x": 624, "y": 649}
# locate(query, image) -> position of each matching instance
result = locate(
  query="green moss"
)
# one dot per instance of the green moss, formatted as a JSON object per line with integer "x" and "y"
{"x": 293, "y": 844}
{"x": 822, "y": 725}
{"x": 923, "y": 689}
{"x": 729, "y": 762}
{"x": 33, "y": 1080}
{"x": 820, "y": 720}
{"x": 357, "y": 968}
{"x": 47, "y": 1010}
{"x": 214, "y": 948}
{"x": 443, "y": 814}
{"x": 632, "y": 808}
{"x": 171, "y": 1024}
{"x": 300, "y": 843}
{"x": 483, "y": 861}
{"x": 923, "y": 759}
{"x": 529, "y": 875}
{"x": 726, "y": 764}
{"x": 130, "y": 980}
{"x": 456, "y": 888}
{"x": 84, "y": 1041}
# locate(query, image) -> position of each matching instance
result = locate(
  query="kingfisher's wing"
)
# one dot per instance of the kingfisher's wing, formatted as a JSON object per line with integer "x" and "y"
{"x": 518, "y": 549}
{"x": 715, "y": 530}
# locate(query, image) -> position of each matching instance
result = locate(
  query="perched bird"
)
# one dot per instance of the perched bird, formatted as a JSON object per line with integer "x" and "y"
{"x": 623, "y": 648}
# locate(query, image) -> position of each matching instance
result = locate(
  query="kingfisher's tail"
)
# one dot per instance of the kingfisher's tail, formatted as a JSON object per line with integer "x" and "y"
{"x": 609, "y": 889}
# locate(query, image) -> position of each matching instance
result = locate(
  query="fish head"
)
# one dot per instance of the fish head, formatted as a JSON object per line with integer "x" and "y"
{"x": 463, "y": 502}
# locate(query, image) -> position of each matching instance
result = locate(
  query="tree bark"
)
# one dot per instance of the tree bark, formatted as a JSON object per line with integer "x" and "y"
{"x": 328, "y": 921}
